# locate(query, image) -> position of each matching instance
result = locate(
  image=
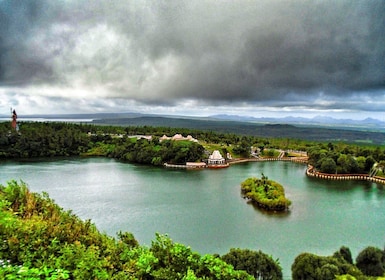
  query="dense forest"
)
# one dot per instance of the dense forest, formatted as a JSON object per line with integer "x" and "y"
{"x": 42, "y": 241}
{"x": 37, "y": 139}
{"x": 64, "y": 139}
{"x": 346, "y": 159}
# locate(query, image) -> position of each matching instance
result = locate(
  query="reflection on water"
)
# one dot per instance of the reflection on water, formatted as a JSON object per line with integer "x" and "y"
{"x": 272, "y": 214}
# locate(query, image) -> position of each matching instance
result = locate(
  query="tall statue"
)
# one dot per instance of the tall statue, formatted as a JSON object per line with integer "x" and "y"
{"x": 14, "y": 121}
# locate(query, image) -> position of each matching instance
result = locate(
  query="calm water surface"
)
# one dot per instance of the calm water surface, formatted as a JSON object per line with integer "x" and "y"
{"x": 204, "y": 209}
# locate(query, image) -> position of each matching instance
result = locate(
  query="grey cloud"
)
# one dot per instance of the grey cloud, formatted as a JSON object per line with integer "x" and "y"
{"x": 161, "y": 52}
{"x": 18, "y": 19}
{"x": 328, "y": 50}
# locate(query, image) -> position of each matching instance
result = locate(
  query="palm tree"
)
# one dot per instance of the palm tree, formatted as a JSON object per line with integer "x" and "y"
{"x": 378, "y": 166}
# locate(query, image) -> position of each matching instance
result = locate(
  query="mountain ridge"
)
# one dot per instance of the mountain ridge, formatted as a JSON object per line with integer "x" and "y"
{"x": 301, "y": 120}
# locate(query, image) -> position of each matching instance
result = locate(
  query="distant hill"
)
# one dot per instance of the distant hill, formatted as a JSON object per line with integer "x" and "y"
{"x": 314, "y": 133}
{"x": 317, "y": 120}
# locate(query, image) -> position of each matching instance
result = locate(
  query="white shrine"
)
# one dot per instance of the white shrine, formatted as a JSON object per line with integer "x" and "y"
{"x": 216, "y": 159}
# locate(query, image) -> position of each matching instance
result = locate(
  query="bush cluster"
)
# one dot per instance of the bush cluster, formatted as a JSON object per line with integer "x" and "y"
{"x": 370, "y": 264}
{"x": 265, "y": 193}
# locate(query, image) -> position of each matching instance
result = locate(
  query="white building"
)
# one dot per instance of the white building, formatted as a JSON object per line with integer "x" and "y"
{"x": 216, "y": 158}
{"x": 178, "y": 137}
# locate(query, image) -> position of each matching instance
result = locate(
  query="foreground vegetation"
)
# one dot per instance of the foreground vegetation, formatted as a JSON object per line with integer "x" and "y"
{"x": 39, "y": 240}
{"x": 265, "y": 193}
{"x": 370, "y": 264}
{"x": 42, "y": 241}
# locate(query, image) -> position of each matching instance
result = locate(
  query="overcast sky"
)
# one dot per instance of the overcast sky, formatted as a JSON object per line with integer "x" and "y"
{"x": 258, "y": 58}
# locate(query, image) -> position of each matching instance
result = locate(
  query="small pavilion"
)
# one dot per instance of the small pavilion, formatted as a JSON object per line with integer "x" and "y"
{"x": 216, "y": 158}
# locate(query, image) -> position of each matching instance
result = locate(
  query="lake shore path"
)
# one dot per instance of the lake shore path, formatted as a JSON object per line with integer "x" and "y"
{"x": 310, "y": 170}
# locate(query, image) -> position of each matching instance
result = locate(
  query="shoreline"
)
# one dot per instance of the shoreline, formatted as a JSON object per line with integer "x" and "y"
{"x": 310, "y": 172}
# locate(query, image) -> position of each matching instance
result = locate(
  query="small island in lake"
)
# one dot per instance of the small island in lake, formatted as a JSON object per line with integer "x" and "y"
{"x": 265, "y": 193}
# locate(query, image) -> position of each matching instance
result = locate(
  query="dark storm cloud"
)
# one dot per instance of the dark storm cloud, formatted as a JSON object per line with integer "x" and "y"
{"x": 18, "y": 22}
{"x": 289, "y": 52}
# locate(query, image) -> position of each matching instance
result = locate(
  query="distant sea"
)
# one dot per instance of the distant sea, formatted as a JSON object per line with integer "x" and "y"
{"x": 48, "y": 120}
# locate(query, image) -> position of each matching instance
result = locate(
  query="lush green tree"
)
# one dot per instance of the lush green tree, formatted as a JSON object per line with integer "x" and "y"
{"x": 316, "y": 153}
{"x": 311, "y": 266}
{"x": 361, "y": 162}
{"x": 345, "y": 254}
{"x": 170, "y": 260}
{"x": 255, "y": 263}
{"x": 328, "y": 165}
{"x": 242, "y": 149}
{"x": 352, "y": 165}
{"x": 343, "y": 164}
{"x": 328, "y": 272}
{"x": 369, "y": 162}
{"x": 371, "y": 261}
{"x": 347, "y": 164}
{"x": 305, "y": 266}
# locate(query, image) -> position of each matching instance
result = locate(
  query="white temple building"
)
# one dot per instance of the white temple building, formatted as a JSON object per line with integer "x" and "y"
{"x": 178, "y": 137}
{"x": 216, "y": 159}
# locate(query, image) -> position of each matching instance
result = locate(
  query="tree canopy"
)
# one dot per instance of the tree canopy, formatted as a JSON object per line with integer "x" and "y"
{"x": 369, "y": 262}
{"x": 255, "y": 263}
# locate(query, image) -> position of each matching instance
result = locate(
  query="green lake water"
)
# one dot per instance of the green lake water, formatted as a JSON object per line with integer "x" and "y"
{"x": 204, "y": 209}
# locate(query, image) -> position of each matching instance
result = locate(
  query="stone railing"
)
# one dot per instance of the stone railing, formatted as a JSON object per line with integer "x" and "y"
{"x": 311, "y": 172}
{"x": 292, "y": 159}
